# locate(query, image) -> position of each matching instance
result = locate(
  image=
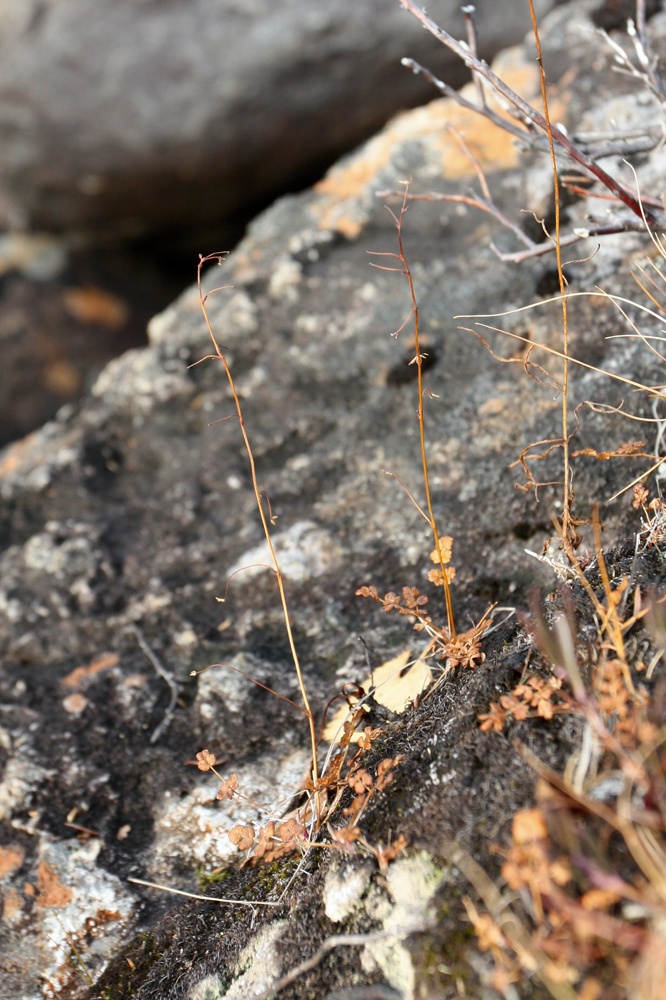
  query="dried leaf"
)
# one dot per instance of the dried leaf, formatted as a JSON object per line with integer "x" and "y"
{"x": 242, "y": 837}
{"x": 492, "y": 721}
{"x": 385, "y": 769}
{"x": 228, "y": 788}
{"x": 360, "y": 781}
{"x": 365, "y": 739}
{"x": 346, "y": 837}
{"x": 397, "y": 687}
{"x": 291, "y": 830}
{"x": 622, "y": 451}
{"x": 394, "y": 684}
{"x": 528, "y": 825}
{"x": 437, "y": 577}
{"x": 387, "y": 854}
{"x": 445, "y": 548}
{"x": 206, "y": 760}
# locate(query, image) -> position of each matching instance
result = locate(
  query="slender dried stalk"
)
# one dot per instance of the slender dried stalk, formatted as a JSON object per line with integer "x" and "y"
{"x": 569, "y": 535}
{"x": 532, "y": 118}
{"x": 418, "y": 361}
{"x": 259, "y": 497}
{"x": 451, "y": 628}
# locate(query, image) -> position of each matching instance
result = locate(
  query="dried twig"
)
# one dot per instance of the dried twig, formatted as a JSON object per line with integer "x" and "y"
{"x": 337, "y": 941}
{"x": 166, "y": 676}
{"x": 529, "y": 116}
{"x": 205, "y": 899}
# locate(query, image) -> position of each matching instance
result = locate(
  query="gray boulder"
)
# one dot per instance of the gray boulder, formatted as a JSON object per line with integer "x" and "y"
{"x": 122, "y": 519}
{"x": 130, "y": 116}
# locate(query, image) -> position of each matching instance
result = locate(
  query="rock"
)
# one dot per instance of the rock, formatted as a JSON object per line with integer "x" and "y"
{"x": 121, "y": 521}
{"x": 144, "y": 116}
{"x": 65, "y": 311}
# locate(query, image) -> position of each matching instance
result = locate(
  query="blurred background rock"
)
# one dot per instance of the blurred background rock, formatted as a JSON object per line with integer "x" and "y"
{"x": 136, "y": 134}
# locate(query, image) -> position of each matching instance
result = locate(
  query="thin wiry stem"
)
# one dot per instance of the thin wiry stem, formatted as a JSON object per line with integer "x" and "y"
{"x": 259, "y": 495}
{"x": 418, "y": 361}
{"x": 568, "y": 533}
{"x": 530, "y": 117}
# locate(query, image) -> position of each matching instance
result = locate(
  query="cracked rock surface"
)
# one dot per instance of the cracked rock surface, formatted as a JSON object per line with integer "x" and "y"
{"x": 122, "y": 520}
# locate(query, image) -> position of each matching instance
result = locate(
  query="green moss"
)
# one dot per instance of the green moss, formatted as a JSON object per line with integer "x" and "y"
{"x": 271, "y": 877}
{"x": 208, "y": 879}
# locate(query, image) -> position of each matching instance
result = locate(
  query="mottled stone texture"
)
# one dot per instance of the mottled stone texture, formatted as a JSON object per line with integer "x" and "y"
{"x": 132, "y": 116}
{"x": 121, "y": 520}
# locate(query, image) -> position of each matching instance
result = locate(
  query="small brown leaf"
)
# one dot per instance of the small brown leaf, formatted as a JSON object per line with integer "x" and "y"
{"x": 206, "y": 760}
{"x": 435, "y": 576}
{"x": 266, "y": 835}
{"x": 242, "y": 837}
{"x": 528, "y": 825}
{"x": 444, "y": 553}
{"x": 228, "y": 788}
{"x": 345, "y": 837}
{"x": 369, "y": 734}
{"x": 391, "y": 601}
{"x": 291, "y": 831}
{"x": 390, "y": 853}
{"x": 360, "y": 781}
{"x": 385, "y": 769}
{"x": 492, "y": 721}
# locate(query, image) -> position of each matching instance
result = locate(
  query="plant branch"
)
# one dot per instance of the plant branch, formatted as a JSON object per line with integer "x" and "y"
{"x": 258, "y": 495}
{"x": 529, "y": 115}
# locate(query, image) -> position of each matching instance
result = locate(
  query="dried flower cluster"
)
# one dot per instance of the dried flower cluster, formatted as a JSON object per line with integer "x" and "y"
{"x": 276, "y": 839}
{"x": 537, "y": 698}
{"x": 589, "y": 869}
{"x": 653, "y": 525}
{"x": 458, "y": 650}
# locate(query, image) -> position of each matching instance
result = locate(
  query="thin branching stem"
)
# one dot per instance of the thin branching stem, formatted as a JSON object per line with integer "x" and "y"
{"x": 259, "y": 497}
{"x": 568, "y": 537}
{"x": 418, "y": 360}
{"x": 529, "y": 115}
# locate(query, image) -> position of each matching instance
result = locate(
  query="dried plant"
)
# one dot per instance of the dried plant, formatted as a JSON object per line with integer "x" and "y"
{"x": 586, "y": 865}
{"x": 441, "y": 547}
{"x": 265, "y": 518}
{"x": 593, "y": 908}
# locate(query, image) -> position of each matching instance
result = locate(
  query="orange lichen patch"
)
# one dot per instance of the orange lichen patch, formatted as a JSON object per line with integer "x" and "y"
{"x": 51, "y": 891}
{"x": 13, "y": 456}
{"x": 94, "y": 926}
{"x": 11, "y": 858}
{"x": 94, "y": 305}
{"x": 434, "y": 127}
{"x": 12, "y": 906}
{"x": 62, "y": 378}
{"x": 96, "y": 666}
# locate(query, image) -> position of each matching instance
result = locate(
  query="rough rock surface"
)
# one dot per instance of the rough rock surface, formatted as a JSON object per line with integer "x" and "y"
{"x": 130, "y": 116}
{"x": 65, "y": 311}
{"x": 122, "y": 519}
